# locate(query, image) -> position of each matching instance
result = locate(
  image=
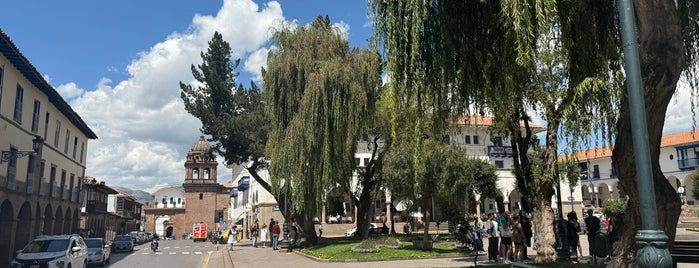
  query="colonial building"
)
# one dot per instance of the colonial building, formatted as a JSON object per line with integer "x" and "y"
{"x": 128, "y": 209}
{"x": 44, "y": 145}
{"x": 96, "y": 220}
{"x": 679, "y": 156}
{"x": 175, "y": 210}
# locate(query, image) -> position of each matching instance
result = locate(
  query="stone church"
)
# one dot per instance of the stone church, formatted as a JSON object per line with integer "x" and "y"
{"x": 176, "y": 209}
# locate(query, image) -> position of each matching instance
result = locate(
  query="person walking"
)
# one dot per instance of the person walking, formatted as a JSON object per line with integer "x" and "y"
{"x": 478, "y": 229}
{"x": 592, "y": 226}
{"x": 276, "y": 230}
{"x": 506, "y": 231}
{"x": 493, "y": 238}
{"x": 572, "y": 230}
{"x": 320, "y": 229}
{"x": 263, "y": 235}
{"x": 526, "y": 223}
{"x": 518, "y": 239}
{"x": 255, "y": 232}
{"x": 292, "y": 238}
{"x": 232, "y": 233}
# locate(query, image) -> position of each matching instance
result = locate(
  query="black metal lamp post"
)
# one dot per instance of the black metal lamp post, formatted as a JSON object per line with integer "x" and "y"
{"x": 650, "y": 240}
{"x": 37, "y": 144}
{"x": 562, "y": 249}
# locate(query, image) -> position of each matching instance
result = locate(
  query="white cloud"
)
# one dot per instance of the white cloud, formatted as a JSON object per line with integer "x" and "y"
{"x": 144, "y": 132}
{"x": 69, "y": 91}
{"x": 255, "y": 62}
{"x": 679, "y": 115}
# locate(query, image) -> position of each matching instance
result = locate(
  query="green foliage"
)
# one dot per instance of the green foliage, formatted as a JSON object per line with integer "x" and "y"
{"x": 318, "y": 95}
{"x": 694, "y": 178}
{"x": 230, "y": 113}
{"x": 449, "y": 176}
{"x": 615, "y": 207}
{"x": 374, "y": 244}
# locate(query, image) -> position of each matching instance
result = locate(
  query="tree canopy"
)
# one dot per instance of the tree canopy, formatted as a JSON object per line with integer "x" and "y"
{"x": 318, "y": 94}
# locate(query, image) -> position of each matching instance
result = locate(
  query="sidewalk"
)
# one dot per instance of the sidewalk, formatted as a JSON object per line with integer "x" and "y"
{"x": 246, "y": 256}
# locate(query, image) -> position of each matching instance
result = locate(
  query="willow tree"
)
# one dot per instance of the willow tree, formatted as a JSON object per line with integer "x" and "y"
{"x": 437, "y": 60}
{"x": 232, "y": 114}
{"x": 318, "y": 93}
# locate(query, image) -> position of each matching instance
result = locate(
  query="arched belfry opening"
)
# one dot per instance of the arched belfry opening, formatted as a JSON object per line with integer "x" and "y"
{"x": 200, "y": 167}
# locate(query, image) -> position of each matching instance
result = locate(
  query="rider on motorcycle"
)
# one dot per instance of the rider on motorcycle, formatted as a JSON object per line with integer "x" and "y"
{"x": 154, "y": 243}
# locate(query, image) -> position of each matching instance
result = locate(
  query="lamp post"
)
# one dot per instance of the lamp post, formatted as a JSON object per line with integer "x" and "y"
{"x": 37, "y": 144}
{"x": 650, "y": 240}
{"x": 562, "y": 249}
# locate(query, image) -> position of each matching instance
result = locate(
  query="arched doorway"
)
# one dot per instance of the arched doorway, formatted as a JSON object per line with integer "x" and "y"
{"x": 58, "y": 223}
{"x": 37, "y": 220}
{"x": 6, "y": 229}
{"x": 168, "y": 231}
{"x": 67, "y": 220}
{"x": 160, "y": 222}
{"x": 48, "y": 220}
{"x": 24, "y": 226}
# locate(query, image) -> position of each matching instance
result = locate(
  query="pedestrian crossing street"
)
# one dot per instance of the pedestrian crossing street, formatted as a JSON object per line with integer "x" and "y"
{"x": 186, "y": 250}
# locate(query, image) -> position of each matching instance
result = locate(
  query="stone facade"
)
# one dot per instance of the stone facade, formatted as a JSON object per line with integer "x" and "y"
{"x": 197, "y": 201}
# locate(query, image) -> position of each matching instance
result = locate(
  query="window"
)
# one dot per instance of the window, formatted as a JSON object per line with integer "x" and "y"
{"x": 447, "y": 139}
{"x": 52, "y": 181}
{"x": 366, "y": 162}
{"x": 12, "y": 169}
{"x": 57, "y": 134}
{"x": 1, "y": 76}
{"x": 35, "y": 116}
{"x": 595, "y": 171}
{"x": 65, "y": 148}
{"x": 357, "y": 161}
{"x": 72, "y": 184}
{"x": 201, "y": 196}
{"x": 172, "y": 200}
{"x": 46, "y": 125}
{"x": 179, "y": 200}
{"x": 499, "y": 164}
{"x": 82, "y": 151}
{"x": 31, "y": 167}
{"x": 467, "y": 139}
{"x": 497, "y": 141}
{"x": 164, "y": 201}
{"x": 63, "y": 183}
{"x": 75, "y": 146}
{"x": 18, "y": 104}
{"x": 475, "y": 139}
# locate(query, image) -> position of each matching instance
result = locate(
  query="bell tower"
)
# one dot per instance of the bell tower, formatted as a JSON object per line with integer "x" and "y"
{"x": 200, "y": 167}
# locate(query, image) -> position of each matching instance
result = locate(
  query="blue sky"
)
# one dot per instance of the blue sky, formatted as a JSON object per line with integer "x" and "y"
{"x": 118, "y": 64}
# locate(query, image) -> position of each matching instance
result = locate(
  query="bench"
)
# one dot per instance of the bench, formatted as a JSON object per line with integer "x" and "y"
{"x": 685, "y": 252}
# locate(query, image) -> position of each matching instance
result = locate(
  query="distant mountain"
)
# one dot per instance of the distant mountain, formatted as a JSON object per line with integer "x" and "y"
{"x": 142, "y": 197}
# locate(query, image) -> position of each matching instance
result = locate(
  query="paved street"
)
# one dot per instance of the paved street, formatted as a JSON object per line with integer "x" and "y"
{"x": 186, "y": 253}
{"x": 171, "y": 253}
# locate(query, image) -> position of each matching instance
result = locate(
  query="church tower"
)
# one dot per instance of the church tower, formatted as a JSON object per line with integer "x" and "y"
{"x": 204, "y": 195}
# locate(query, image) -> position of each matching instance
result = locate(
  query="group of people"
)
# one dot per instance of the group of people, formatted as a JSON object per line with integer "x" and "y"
{"x": 508, "y": 236}
{"x": 598, "y": 243}
{"x": 260, "y": 234}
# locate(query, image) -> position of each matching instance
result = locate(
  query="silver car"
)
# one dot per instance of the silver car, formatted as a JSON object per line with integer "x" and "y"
{"x": 98, "y": 251}
{"x": 52, "y": 252}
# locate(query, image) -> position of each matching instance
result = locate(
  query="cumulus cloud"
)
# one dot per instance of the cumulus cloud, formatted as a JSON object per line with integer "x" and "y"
{"x": 144, "y": 131}
{"x": 69, "y": 91}
{"x": 679, "y": 115}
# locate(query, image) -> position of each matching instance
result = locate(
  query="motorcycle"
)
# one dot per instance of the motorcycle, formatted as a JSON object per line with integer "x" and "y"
{"x": 154, "y": 245}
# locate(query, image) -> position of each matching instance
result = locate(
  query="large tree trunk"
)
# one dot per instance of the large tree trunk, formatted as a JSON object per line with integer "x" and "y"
{"x": 662, "y": 58}
{"x": 543, "y": 225}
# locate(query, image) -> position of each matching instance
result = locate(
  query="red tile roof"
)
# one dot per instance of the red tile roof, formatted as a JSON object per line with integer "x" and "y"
{"x": 669, "y": 140}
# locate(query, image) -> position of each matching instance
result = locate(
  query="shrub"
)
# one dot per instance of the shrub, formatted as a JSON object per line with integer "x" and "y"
{"x": 614, "y": 207}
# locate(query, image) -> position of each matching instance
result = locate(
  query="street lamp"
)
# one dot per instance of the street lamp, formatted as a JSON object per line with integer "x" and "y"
{"x": 562, "y": 249}
{"x": 650, "y": 240}
{"x": 37, "y": 143}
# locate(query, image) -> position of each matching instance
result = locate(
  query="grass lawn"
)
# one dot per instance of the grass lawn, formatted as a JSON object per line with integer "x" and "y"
{"x": 340, "y": 249}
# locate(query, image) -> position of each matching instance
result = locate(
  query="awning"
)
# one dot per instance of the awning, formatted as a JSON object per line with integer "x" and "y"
{"x": 239, "y": 222}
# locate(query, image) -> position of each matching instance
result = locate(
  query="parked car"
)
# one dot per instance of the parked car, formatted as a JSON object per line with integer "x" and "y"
{"x": 122, "y": 242}
{"x": 98, "y": 251}
{"x": 373, "y": 229}
{"x": 52, "y": 251}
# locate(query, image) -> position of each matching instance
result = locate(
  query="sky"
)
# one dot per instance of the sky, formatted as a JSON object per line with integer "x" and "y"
{"x": 119, "y": 64}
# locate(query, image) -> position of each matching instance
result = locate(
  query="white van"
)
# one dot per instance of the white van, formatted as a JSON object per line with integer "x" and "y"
{"x": 53, "y": 251}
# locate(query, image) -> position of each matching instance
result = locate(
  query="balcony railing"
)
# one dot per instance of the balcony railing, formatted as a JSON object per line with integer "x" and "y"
{"x": 500, "y": 151}
{"x": 687, "y": 163}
